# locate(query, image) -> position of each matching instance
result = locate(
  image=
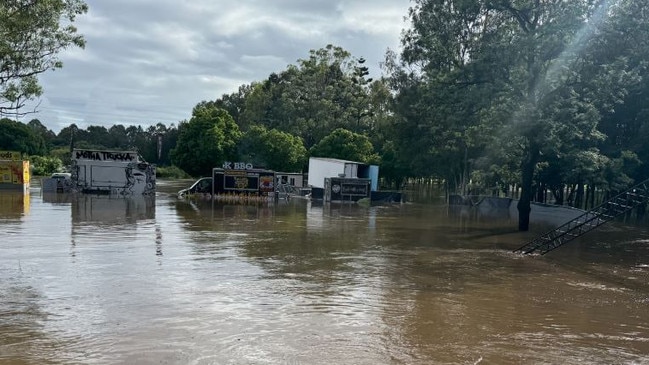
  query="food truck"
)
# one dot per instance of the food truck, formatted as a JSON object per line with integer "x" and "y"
{"x": 111, "y": 173}
{"x": 235, "y": 179}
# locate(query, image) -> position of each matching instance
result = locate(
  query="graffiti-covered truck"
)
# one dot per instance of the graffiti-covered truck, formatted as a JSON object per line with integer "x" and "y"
{"x": 111, "y": 173}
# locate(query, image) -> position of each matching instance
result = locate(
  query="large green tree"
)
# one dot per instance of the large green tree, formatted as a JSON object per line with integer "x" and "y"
{"x": 40, "y": 130}
{"x": 327, "y": 90}
{"x": 19, "y": 137}
{"x": 273, "y": 149}
{"x": 32, "y": 34}
{"x": 622, "y": 50}
{"x": 346, "y": 145}
{"x": 506, "y": 72}
{"x": 207, "y": 140}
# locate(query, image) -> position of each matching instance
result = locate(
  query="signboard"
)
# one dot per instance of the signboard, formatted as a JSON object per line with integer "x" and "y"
{"x": 353, "y": 189}
{"x": 93, "y": 155}
{"x": 346, "y": 189}
{"x": 227, "y": 165}
{"x": 256, "y": 181}
{"x": 10, "y": 156}
{"x": 240, "y": 180}
{"x": 14, "y": 172}
{"x": 6, "y": 173}
{"x": 267, "y": 183}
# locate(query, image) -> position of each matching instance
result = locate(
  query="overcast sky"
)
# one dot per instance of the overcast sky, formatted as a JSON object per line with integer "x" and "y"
{"x": 150, "y": 61}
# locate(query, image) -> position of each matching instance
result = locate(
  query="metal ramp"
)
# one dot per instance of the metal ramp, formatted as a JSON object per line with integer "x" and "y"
{"x": 616, "y": 206}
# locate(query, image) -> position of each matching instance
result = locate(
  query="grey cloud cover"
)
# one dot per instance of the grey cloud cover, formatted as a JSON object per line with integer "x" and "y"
{"x": 150, "y": 61}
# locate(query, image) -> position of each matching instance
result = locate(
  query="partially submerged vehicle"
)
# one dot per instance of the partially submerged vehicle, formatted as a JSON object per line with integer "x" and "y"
{"x": 58, "y": 182}
{"x": 200, "y": 186}
{"x": 242, "y": 181}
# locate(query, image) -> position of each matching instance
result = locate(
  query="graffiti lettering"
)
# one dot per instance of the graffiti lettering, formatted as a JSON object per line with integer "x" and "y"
{"x": 118, "y": 156}
{"x": 103, "y": 155}
{"x": 87, "y": 155}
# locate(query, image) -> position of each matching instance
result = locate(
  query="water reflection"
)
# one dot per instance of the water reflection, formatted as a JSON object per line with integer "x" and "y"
{"x": 107, "y": 210}
{"x": 99, "y": 218}
{"x": 13, "y": 204}
{"x": 57, "y": 198}
{"x": 203, "y": 214}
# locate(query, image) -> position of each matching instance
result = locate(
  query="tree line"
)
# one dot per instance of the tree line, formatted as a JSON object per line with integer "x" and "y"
{"x": 549, "y": 96}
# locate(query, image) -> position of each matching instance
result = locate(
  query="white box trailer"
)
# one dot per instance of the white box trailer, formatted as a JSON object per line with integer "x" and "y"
{"x": 321, "y": 168}
{"x": 111, "y": 172}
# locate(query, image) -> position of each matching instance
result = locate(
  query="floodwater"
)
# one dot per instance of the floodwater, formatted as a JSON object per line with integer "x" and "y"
{"x": 93, "y": 280}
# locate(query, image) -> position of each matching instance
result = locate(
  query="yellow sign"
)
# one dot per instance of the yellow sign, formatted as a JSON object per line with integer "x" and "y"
{"x": 10, "y": 156}
{"x": 26, "y": 175}
{"x": 14, "y": 172}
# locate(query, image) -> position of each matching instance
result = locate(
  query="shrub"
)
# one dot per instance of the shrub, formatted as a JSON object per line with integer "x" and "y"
{"x": 171, "y": 172}
{"x": 45, "y": 165}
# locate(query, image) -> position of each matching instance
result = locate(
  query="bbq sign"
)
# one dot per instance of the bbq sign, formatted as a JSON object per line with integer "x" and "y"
{"x": 237, "y": 166}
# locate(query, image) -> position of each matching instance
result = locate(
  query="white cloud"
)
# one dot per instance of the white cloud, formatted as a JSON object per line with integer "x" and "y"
{"x": 384, "y": 21}
{"x": 150, "y": 61}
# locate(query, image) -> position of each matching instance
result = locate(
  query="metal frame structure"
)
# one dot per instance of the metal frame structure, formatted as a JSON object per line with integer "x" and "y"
{"x": 607, "y": 211}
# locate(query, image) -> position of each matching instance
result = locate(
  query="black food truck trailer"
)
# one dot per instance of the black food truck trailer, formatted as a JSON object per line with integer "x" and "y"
{"x": 247, "y": 181}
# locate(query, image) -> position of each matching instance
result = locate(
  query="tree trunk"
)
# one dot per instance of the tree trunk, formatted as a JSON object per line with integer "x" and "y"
{"x": 540, "y": 193}
{"x": 579, "y": 197}
{"x": 571, "y": 195}
{"x": 590, "y": 196}
{"x": 527, "y": 168}
{"x": 558, "y": 194}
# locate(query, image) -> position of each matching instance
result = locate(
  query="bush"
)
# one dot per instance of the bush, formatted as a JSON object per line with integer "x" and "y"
{"x": 171, "y": 172}
{"x": 64, "y": 154}
{"x": 45, "y": 166}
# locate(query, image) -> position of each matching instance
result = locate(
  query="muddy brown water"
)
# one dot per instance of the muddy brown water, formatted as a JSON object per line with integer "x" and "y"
{"x": 93, "y": 280}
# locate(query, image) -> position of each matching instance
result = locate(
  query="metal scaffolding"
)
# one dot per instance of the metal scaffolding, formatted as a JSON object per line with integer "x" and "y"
{"x": 616, "y": 206}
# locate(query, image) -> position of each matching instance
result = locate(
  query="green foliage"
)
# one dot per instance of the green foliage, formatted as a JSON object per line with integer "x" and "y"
{"x": 327, "y": 90}
{"x": 63, "y": 154}
{"x": 45, "y": 165}
{"x": 616, "y": 171}
{"x": 16, "y": 136}
{"x": 42, "y": 133}
{"x": 346, "y": 145}
{"x": 273, "y": 149}
{"x": 32, "y": 33}
{"x": 208, "y": 139}
{"x": 171, "y": 172}
{"x": 393, "y": 170}
{"x": 506, "y": 85}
